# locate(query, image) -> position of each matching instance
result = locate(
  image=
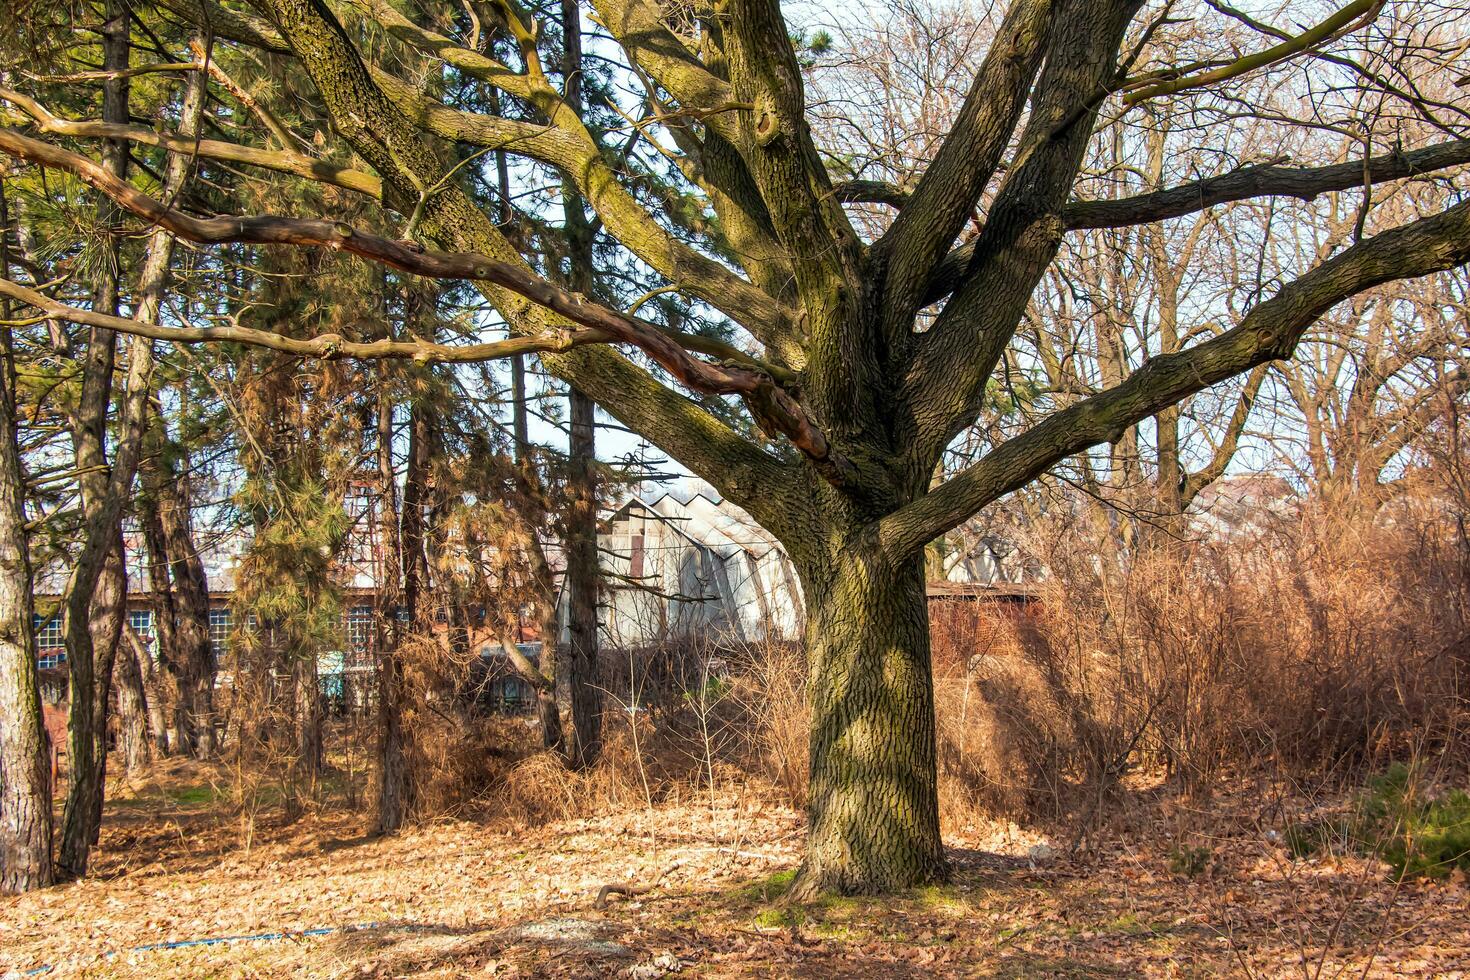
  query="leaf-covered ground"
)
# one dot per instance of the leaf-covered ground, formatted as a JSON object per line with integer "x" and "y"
{"x": 468, "y": 898}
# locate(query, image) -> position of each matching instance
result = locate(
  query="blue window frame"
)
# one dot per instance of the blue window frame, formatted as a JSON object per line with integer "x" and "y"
{"x": 221, "y": 624}
{"x": 358, "y": 624}
{"x": 50, "y": 647}
{"x": 142, "y": 622}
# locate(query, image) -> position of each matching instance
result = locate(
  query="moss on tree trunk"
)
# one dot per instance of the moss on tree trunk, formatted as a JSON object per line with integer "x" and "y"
{"x": 873, "y": 810}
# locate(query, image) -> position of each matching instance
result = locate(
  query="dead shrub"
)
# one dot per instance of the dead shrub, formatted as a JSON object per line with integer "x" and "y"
{"x": 1326, "y": 645}
{"x": 770, "y": 685}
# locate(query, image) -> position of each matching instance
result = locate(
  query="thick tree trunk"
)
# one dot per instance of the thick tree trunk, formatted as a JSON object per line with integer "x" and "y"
{"x": 873, "y": 811}
{"x": 132, "y": 704}
{"x": 183, "y": 597}
{"x": 25, "y": 764}
{"x": 194, "y": 655}
{"x": 92, "y": 625}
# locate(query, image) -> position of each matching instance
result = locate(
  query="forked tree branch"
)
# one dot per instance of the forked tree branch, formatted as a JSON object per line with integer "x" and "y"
{"x": 378, "y": 132}
{"x": 1270, "y": 331}
{"x": 568, "y": 145}
{"x": 1152, "y": 87}
{"x": 946, "y": 195}
{"x": 1261, "y": 180}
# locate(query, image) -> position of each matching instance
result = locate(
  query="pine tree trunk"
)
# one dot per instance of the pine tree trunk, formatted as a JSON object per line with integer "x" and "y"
{"x": 395, "y": 785}
{"x": 188, "y": 656}
{"x": 153, "y": 701}
{"x": 395, "y": 788}
{"x": 87, "y": 663}
{"x": 91, "y": 626}
{"x": 167, "y": 737}
{"x": 583, "y": 683}
{"x": 196, "y": 717}
{"x": 132, "y": 704}
{"x": 25, "y": 763}
{"x": 306, "y": 711}
{"x": 584, "y": 686}
{"x": 873, "y": 810}
{"x": 109, "y": 613}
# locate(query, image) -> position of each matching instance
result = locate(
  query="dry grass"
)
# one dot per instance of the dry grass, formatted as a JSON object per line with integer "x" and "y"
{"x": 1323, "y": 649}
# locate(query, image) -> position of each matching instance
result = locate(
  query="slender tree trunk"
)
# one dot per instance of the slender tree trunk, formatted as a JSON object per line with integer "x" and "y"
{"x": 109, "y": 613}
{"x": 543, "y": 675}
{"x": 25, "y": 763}
{"x": 167, "y": 735}
{"x": 395, "y": 785}
{"x": 874, "y": 815}
{"x": 306, "y": 712}
{"x": 154, "y": 696}
{"x": 86, "y": 765}
{"x": 583, "y": 682}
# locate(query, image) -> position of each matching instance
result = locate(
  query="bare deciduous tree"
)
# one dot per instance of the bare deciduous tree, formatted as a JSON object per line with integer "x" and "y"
{"x": 872, "y": 354}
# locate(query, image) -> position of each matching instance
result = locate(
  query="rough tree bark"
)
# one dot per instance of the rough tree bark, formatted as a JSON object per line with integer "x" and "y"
{"x": 584, "y": 686}
{"x": 874, "y": 812}
{"x": 25, "y": 764}
{"x": 583, "y": 683}
{"x": 188, "y": 657}
{"x": 306, "y": 722}
{"x": 395, "y": 784}
{"x": 165, "y": 611}
{"x": 88, "y": 663}
{"x": 133, "y": 740}
{"x": 856, "y": 404}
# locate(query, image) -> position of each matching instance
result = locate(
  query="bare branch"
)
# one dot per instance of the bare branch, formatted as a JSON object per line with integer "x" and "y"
{"x": 326, "y": 346}
{"x": 1270, "y": 331}
{"x": 1140, "y": 90}
{"x": 1263, "y": 180}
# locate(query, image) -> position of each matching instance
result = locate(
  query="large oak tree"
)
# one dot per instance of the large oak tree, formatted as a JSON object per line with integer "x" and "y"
{"x": 869, "y": 354}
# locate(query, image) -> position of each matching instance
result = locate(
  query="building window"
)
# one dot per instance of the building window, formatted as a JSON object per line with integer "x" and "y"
{"x": 635, "y": 556}
{"x": 359, "y": 626}
{"x": 50, "y": 647}
{"x": 141, "y": 620}
{"x": 221, "y": 624}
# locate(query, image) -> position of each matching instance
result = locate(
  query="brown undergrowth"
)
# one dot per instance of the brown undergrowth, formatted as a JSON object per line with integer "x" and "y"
{"x": 461, "y": 897}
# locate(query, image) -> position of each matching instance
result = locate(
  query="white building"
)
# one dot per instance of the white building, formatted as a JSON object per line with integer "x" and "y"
{"x": 684, "y": 566}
